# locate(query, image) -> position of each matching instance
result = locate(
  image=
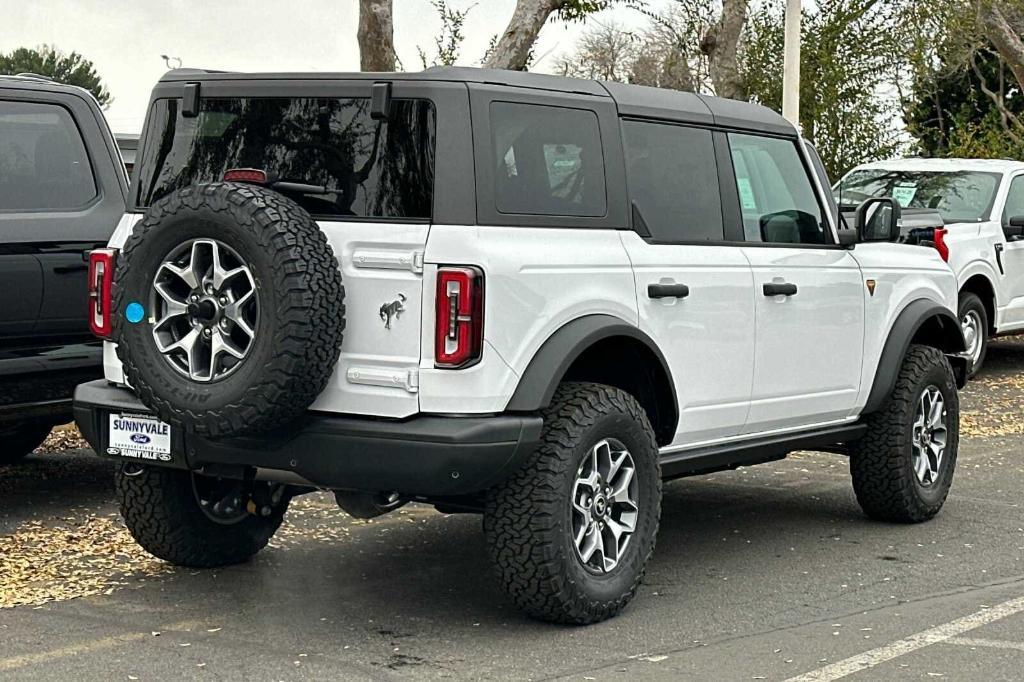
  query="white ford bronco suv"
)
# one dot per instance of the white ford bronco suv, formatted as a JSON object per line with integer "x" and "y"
{"x": 521, "y": 295}
{"x": 980, "y": 232}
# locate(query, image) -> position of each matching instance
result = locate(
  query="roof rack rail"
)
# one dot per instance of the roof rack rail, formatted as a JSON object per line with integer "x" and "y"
{"x": 35, "y": 76}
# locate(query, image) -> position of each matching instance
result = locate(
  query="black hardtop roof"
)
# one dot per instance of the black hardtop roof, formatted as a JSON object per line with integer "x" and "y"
{"x": 631, "y": 100}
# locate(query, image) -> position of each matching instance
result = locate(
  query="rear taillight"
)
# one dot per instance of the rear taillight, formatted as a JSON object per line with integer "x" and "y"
{"x": 460, "y": 317}
{"x": 940, "y": 242}
{"x": 101, "y": 278}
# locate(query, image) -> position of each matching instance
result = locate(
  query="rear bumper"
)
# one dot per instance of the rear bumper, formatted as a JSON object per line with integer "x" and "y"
{"x": 423, "y": 455}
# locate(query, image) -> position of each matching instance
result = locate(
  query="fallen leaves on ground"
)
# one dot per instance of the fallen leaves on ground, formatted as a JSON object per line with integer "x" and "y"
{"x": 41, "y": 563}
{"x": 63, "y": 438}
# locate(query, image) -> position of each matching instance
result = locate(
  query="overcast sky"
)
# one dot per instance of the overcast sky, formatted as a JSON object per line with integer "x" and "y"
{"x": 125, "y": 38}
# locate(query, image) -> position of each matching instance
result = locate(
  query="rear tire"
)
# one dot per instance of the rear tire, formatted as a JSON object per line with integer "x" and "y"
{"x": 975, "y": 324}
{"x": 541, "y": 523}
{"x": 892, "y": 480}
{"x": 19, "y": 441}
{"x": 161, "y": 508}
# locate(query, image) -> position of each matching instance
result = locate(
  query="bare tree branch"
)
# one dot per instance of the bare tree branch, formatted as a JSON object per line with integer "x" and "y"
{"x": 1001, "y": 33}
{"x": 1008, "y": 119}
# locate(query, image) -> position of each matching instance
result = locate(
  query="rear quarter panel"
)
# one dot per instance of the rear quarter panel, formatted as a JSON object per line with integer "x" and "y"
{"x": 536, "y": 281}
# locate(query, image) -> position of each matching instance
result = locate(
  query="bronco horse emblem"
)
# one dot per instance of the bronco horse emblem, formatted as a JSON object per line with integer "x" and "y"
{"x": 393, "y": 309}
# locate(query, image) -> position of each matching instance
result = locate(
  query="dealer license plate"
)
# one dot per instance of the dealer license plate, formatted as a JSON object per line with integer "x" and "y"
{"x": 139, "y": 436}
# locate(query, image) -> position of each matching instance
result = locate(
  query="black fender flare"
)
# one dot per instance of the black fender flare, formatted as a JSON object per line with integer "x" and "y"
{"x": 538, "y": 383}
{"x": 947, "y": 336}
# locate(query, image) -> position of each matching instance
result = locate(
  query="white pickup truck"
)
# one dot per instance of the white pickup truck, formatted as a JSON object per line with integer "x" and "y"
{"x": 982, "y": 205}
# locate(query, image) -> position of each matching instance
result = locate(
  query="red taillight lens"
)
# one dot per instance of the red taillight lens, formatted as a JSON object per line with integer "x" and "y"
{"x": 459, "y": 334}
{"x": 245, "y": 175}
{"x": 940, "y": 243}
{"x": 101, "y": 278}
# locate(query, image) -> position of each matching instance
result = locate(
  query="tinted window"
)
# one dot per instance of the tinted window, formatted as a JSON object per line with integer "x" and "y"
{"x": 1014, "y": 200}
{"x": 368, "y": 169}
{"x": 673, "y": 181}
{"x": 548, "y": 160}
{"x": 43, "y": 164}
{"x": 960, "y": 197}
{"x": 777, "y": 198}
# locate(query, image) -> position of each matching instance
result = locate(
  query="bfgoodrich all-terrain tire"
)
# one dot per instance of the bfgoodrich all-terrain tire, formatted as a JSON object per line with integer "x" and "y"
{"x": 228, "y": 309}
{"x": 974, "y": 321}
{"x": 903, "y": 467}
{"x": 18, "y": 441}
{"x": 570, "y": 534}
{"x": 172, "y": 515}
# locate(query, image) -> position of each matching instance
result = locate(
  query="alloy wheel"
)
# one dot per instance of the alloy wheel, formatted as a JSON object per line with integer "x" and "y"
{"x": 605, "y": 506}
{"x": 973, "y": 335}
{"x": 206, "y": 309}
{"x": 930, "y": 435}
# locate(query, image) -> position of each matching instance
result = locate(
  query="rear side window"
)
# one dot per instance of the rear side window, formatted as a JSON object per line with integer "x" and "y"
{"x": 777, "y": 198}
{"x": 549, "y": 160}
{"x": 673, "y": 181}
{"x": 43, "y": 162}
{"x": 366, "y": 168}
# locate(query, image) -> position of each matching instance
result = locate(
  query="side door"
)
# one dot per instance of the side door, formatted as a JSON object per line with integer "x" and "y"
{"x": 809, "y": 291}
{"x": 694, "y": 291}
{"x": 1012, "y": 257}
{"x": 63, "y": 194}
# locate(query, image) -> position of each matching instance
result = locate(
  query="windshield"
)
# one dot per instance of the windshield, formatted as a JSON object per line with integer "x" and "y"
{"x": 960, "y": 197}
{"x": 352, "y": 165}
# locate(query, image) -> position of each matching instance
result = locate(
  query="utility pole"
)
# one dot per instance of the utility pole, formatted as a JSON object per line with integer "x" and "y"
{"x": 791, "y": 64}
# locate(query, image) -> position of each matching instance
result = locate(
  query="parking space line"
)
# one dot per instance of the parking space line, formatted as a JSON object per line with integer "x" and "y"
{"x": 939, "y": 633}
{"x": 990, "y": 643}
{"x": 15, "y": 662}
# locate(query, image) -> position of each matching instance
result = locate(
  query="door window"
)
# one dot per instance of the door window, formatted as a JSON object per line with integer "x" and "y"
{"x": 777, "y": 199}
{"x": 549, "y": 160}
{"x": 673, "y": 181}
{"x": 43, "y": 162}
{"x": 1014, "y": 200}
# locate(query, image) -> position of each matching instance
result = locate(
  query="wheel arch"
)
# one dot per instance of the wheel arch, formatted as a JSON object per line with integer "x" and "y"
{"x": 980, "y": 284}
{"x": 922, "y": 322}
{"x": 579, "y": 351}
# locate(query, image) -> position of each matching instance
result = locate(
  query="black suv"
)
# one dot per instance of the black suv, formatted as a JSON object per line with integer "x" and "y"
{"x": 62, "y": 191}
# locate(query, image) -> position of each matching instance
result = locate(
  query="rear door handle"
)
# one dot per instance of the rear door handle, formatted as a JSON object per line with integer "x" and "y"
{"x": 779, "y": 289}
{"x": 667, "y": 291}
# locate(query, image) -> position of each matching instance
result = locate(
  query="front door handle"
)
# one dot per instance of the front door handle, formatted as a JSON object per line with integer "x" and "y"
{"x": 667, "y": 291}
{"x": 779, "y": 289}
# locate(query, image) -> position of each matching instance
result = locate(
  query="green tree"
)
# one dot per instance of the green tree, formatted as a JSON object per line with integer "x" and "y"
{"x": 45, "y": 60}
{"x": 853, "y": 53}
{"x": 965, "y": 98}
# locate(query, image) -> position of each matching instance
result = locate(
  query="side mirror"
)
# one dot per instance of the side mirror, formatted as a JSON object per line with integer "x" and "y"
{"x": 1015, "y": 230}
{"x": 878, "y": 220}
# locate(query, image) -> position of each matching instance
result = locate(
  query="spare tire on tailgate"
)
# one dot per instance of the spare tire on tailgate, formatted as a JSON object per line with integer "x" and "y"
{"x": 229, "y": 309}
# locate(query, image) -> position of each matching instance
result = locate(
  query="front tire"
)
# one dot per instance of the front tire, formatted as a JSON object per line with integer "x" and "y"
{"x": 975, "y": 324}
{"x": 571, "y": 533}
{"x": 19, "y": 441}
{"x": 903, "y": 467}
{"x": 172, "y": 515}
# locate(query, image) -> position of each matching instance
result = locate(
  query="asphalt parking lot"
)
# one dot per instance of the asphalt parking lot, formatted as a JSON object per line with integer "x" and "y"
{"x": 766, "y": 573}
